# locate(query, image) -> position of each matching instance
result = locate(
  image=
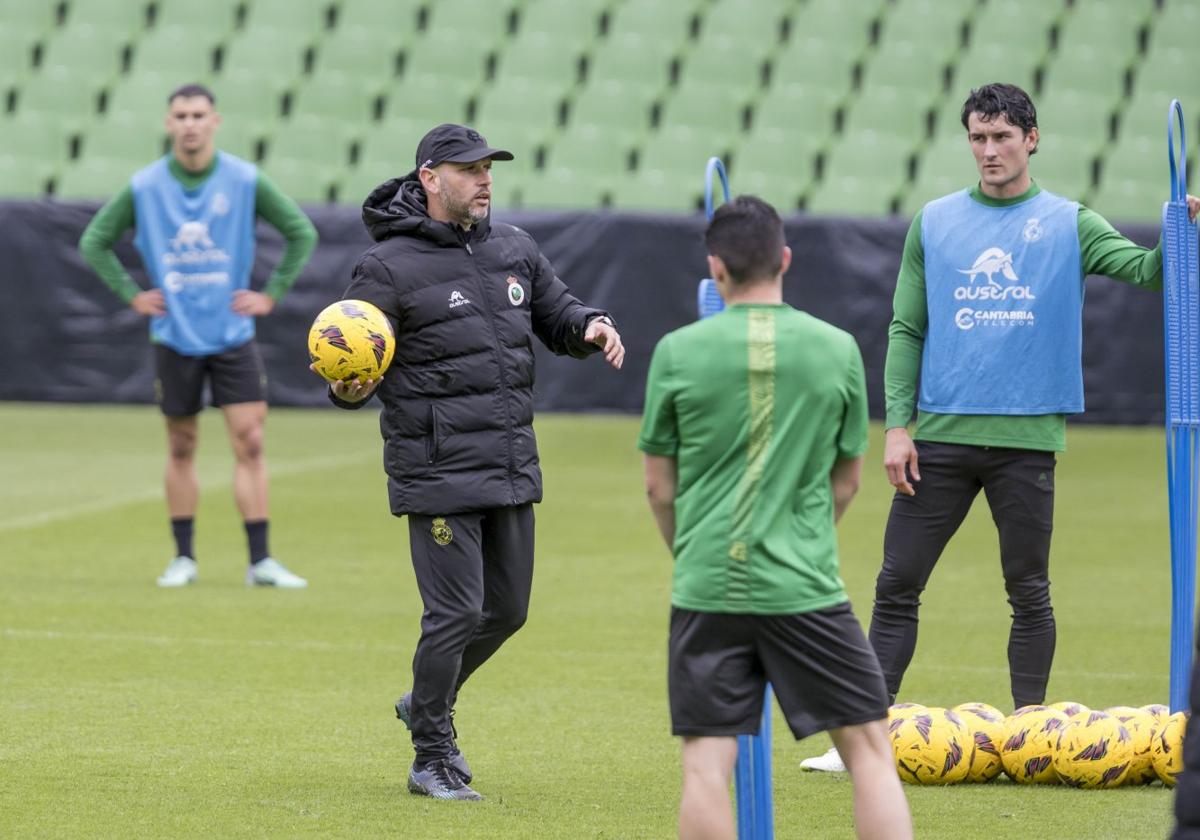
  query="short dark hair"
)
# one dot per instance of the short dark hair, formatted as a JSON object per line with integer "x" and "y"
{"x": 999, "y": 98}
{"x": 747, "y": 234}
{"x": 192, "y": 90}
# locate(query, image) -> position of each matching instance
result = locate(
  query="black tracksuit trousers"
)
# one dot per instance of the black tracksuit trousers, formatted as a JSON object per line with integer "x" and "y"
{"x": 1019, "y": 485}
{"x": 1187, "y": 784}
{"x": 474, "y": 571}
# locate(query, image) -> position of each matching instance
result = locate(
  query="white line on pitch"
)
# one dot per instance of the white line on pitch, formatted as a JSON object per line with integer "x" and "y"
{"x": 167, "y": 641}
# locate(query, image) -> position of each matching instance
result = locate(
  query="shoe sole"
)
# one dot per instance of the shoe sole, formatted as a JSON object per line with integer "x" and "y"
{"x": 418, "y": 790}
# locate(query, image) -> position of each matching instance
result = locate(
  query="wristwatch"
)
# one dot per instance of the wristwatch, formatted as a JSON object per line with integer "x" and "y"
{"x": 604, "y": 319}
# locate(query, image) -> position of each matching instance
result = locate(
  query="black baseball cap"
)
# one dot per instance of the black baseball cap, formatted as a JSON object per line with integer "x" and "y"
{"x": 450, "y": 143}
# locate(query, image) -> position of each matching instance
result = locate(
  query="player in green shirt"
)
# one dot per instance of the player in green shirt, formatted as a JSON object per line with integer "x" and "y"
{"x": 754, "y": 432}
{"x": 202, "y": 309}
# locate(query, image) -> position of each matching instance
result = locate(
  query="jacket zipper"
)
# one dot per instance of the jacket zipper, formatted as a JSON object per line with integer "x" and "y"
{"x": 508, "y": 422}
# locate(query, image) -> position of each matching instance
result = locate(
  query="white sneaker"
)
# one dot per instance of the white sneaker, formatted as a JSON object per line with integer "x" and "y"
{"x": 179, "y": 572}
{"x": 830, "y": 762}
{"x": 270, "y": 572}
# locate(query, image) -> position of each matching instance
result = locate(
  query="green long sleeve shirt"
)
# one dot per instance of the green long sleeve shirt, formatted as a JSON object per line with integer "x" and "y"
{"x": 1102, "y": 251}
{"x": 117, "y": 216}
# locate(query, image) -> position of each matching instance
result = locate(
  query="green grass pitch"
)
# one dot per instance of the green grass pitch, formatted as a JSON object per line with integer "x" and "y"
{"x": 217, "y": 711}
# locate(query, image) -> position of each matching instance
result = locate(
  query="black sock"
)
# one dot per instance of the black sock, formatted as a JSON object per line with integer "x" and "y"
{"x": 181, "y": 528}
{"x": 256, "y": 535}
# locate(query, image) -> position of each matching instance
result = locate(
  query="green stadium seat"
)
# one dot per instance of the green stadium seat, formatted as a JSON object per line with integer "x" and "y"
{"x": 843, "y": 26}
{"x": 144, "y": 95}
{"x": 319, "y": 142}
{"x": 524, "y": 108}
{"x": 776, "y": 154}
{"x": 904, "y": 114}
{"x": 37, "y": 137}
{"x": 96, "y": 177}
{"x": 1082, "y": 67}
{"x": 927, "y": 187}
{"x": 589, "y": 148}
{"x": 815, "y": 61}
{"x": 681, "y": 152}
{"x": 670, "y": 22}
{"x": 1177, "y": 25}
{"x": 129, "y": 17}
{"x": 853, "y": 195}
{"x": 623, "y": 112}
{"x": 21, "y": 178}
{"x": 636, "y": 60}
{"x": 215, "y": 18}
{"x": 1111, "y": 25}
{"x": 757, "y": 25}
{"x": 1082, "y": 116}
{"x": 563, "y": 188}
{"x": 488, "y": 21}
{"x": 725, "y": 62}
{"x": 801, "y": 108}
{"x": 299, "y": 180}
{"x": 125, "y": 136}
{"x": 715, "y": 111}
{"x": 394, "y": 143}
{"x": 541, "y": 58}
{"x": 397, "y": 18}
{"x": 1129, "y": 201}
{"x": 434, "y": 65}
{"x": 358, "y": 183}
{"x": 86, "y": 49}
{"x": 38, "y": 17}
{"x": 62, "y": 92}
{"x": 660, "y": 191}
{"x": 256, "y": 104}
{"x": 1013, "y": 22}
{"x": 338, "y": 97}
{"x": 868, "y": 154}
{"x": 1064, "y": 165}
{"x": 16, "y": 55}
{"x": 948, "y": 156}
{"x": 573, "y": 21}
{"x": 782, "y": 193}
{"x": 1138, "y": 159}
{"x": 367, "y": 52}
{"x": 985, "y": 61}
{"x": 1146, "y": 118}
{"x": 936, "y": 24}
{"x": 272, "y": 56}
{"x": 302, "y": 17}
{"x": 909, "y": 66}
{"x": 238, "y": 139}
{"x": 1168, "y": 69}
{"x": 176, "y": 50}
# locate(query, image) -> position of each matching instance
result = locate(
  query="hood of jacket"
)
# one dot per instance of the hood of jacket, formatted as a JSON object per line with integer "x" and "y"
{"x": 398, "y": 207}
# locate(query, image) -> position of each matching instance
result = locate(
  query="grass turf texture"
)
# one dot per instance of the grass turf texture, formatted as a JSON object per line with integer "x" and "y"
{"x": 130, "y": 711}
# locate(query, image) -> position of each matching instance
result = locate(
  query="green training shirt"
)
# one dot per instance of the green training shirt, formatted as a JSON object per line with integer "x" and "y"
{"x": 117, "y": 216}
{"x": 1102, "y": 251}
{"x": 755, "y": 404}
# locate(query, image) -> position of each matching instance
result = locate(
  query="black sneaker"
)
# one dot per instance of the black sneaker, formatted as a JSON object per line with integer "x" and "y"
{"x": 457, "y": 763}
{"x": 440, "y": 780}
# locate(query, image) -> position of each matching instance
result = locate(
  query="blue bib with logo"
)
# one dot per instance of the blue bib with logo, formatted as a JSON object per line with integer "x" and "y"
{"x": 198, "y": 247}
{"x": 1004, "y": 287}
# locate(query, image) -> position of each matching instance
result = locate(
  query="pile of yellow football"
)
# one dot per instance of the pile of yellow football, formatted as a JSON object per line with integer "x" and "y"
{"x": 1064, "y": 743}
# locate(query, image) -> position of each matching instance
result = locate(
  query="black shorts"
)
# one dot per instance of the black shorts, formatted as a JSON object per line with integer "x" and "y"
{"x": 820, "y": 666}
{"x": 234, "y": 376}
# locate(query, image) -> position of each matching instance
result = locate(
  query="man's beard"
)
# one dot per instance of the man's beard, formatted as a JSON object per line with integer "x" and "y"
{"x": 465, "y": 213}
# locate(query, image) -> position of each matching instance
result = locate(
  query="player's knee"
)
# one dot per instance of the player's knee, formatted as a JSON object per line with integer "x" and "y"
{"x": 249, "y": 444}
{"x": 511, "y": 619}
{"x": 1029, "y": 597}
{"x": 181, "y": 445}
{"x": 895, "y": 588}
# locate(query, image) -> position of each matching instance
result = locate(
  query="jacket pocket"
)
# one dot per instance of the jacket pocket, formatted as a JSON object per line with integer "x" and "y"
{"x": 431, "y": 442}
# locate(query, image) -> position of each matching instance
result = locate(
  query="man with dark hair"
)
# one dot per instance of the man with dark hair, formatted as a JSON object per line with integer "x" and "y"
{"x": 466, "y": 297}
{"x": 754, "y": 432}
{"x": 987, "y": 315}
{"x": 194, "y": 211}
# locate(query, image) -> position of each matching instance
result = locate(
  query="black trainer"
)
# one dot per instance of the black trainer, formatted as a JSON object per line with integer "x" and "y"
{"x": 441, "y": 781}
{"x": 457, "y": 763}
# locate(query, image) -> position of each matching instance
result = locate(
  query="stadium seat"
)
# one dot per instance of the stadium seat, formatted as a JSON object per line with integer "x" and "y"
{"x": 20, "y": 178}
{"x": 927, "y": 187}
{"x": 903, "y": 113}
{"x": 589, "y": 148}
{"x": 778, "y": 156}
{"x": 1129, "y": 201}
{"x": 572, "y": 21}
{"x": 318, "y": 142}
{"x": 636, "y": 60}
{"x": 1064, "y": 165}
{"x": 681, "y": 152}
{"x": 725, "y": 62}
{"x": 144, "y": 95}
{"x": 16, "y": 55}
{"x": 129, "y": 17}
{"x": 176, "y": 50}
{"x": 1084, "y": 117}
{"x": 305, "y": 18}
{"x": 396, "y": 18}
{"x": 95, "y": 177}
{"x": 125, "y": 136}
{"x": 539, "y": 58}
{"x": 845, "y": 27}
{"x": 36, "y": 137}
{"x": 1146, "y": 118}
{"x": 272, "y": 56}
{"x": 1107, "y": 25}
{"x": 937, "y": 24}
{"x": 353, "y": 188}
{"x": 624, "y": 113}
{"x": 670, "y": 22}
{"x": 982, "y": 61}
{"x": 801, "y": 108}
{"x": 434, "y": 66}
{"x": 256, "y": 104}
{"x": 393, "y": 143}
{"x": 717, "y": 112}
{"x": 349, "y": 100}
{"x": 757, "y": 25}
{"x": 61, "y": 92}
{"x": 1082, "y": 67}
{"x": 490, "y": 21}
{"x": 853, "y": 195}
{"x": 29, "y": 17}
{"x": 910, "y": 66}
{"x": 815, "y": 61}
{"x": 1138, "y": 159}
{"x": 299, "y": 180}
{"x": 525, "y": 108}
{"x": 1177, "y": 25}
{"x": 660, "y": 191}
{"x": 784, "y": 194}
{"x": 371, "y": 53}
{"x": 561, "y": 188}
{"x": 86, "y": 49}
{"x": 1168, "y": 69}
{"x": 214, "y": 18}
{"x": 1017, "y": 21}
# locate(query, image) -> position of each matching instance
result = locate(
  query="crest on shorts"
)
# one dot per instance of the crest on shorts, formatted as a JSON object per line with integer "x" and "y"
{"x": 516, "y": 292}
{"x": 442, "y": 534}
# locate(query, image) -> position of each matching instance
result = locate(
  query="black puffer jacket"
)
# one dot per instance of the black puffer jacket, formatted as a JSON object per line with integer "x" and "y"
{"x": 457, "y": 417}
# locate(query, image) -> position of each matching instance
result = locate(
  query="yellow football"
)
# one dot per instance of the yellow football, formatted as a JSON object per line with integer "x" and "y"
{"x": 349, "y": 340}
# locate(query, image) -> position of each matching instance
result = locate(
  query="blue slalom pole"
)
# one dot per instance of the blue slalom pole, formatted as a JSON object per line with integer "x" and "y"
{"x": 752, "y": 776}
{"x": 1181, "y": 336}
